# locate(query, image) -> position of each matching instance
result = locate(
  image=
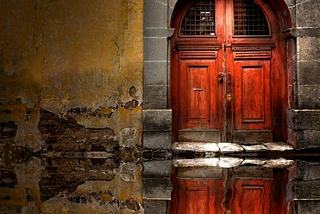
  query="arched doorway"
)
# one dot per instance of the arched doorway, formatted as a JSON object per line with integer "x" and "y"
{"x": 228, "y": 75}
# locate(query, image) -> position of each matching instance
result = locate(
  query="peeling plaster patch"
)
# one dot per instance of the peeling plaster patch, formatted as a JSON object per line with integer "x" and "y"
{"x": 91, "y": 202}
{"x": 132, "y": 204}
{"x": 66, "y": 134}
{"x": 132, "y": 91}
{"x": 131, "y": 104}
{"x": 66, "y": 174}
{"x": 127, "y": 172}
{"x": 88, "y": 112}
{"x": 8, "y": 131}
{"x": 127, "y": 137}
{"x": 10, "y": 153}
{"x": 8, "y": 178}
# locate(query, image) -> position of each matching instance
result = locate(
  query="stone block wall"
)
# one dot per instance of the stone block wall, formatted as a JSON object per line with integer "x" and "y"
{"x": 303, "y": 117}
{"x": 303, "y": 187}
{"x": 157, "y": 116}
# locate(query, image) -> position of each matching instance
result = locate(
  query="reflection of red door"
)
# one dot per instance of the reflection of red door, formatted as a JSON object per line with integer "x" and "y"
{"x": 225, "y": 61}
{"x": 234, "y": 192}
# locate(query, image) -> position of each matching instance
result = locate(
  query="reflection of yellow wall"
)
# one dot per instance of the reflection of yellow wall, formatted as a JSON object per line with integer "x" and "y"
{"x": 62, "y": 54}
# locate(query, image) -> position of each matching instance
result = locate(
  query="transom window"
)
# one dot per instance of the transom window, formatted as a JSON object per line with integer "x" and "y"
{"x": 200, "y": 20}
{"x": 249, "y": 19}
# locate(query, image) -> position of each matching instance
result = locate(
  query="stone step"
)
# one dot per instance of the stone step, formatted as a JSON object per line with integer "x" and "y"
{"x": 224, "y": 147}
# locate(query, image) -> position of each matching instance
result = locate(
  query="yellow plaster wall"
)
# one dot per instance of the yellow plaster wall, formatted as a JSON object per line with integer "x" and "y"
{"x": 71, "y": 53}
{"x": 63, "y": 54}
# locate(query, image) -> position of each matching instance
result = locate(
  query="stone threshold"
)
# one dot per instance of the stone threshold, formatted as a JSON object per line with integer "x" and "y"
{"x": 224, "y": 148}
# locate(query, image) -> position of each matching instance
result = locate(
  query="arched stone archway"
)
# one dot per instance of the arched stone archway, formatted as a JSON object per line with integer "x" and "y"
{"x": 299, "y": 32}
{"x": 157, "y": 33}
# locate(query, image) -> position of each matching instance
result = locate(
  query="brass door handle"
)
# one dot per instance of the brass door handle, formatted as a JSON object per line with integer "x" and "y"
{"x": 229, "y": 96}
{"x": 197, "y": 89}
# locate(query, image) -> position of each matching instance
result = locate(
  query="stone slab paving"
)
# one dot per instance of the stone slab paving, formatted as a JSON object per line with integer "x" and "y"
{"x": 230, "y": 147}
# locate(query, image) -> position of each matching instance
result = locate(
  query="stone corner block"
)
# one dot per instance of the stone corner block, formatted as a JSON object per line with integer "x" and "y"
{"x": 155, "y": 97}
{"x": 304, "y": 190}
{"x": 303, "y": 119}
{"x": 157, "y": 189}
{"x": 307, "y": 139}
{"x": 157, "y": 140}
{"x": 155, "y": 206}
{"x": 157, "y": 169}
{"x": 157, "y": 120}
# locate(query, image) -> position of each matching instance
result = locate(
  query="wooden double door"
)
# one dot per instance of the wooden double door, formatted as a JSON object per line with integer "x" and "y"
{"x": 226, "y": 84}
{"x": 247, "y": 190}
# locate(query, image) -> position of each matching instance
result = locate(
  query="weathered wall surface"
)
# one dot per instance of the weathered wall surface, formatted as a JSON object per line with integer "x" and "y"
{"x": 304, "y": 115}
{"x": 71, "y": 106}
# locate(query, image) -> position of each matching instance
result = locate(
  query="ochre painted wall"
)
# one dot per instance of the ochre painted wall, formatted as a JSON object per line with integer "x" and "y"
{"x": 71, "y": 106}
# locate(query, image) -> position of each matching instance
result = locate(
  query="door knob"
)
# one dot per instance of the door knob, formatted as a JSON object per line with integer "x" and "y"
{"x": 229, "y": 96}
{"x": 228, "y": 211}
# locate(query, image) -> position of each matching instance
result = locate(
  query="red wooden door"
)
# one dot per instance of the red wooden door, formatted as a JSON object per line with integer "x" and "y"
{"x": 223, "y": 68}
{"x": 232, "y": 193}
{"x": 253, "y": 197}
{"x": 200, "y": 196}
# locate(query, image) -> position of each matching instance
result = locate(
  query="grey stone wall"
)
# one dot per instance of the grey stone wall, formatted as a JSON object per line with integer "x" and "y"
{"x": 303, "y": 188}
{"x": 303, "y": 119}
{"x": 157, "y": 116}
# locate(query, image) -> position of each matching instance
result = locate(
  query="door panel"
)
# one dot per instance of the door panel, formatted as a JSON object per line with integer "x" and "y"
{"x": 197, "y": 94}
{"x": 244, "y": 190}
{"x": 199, "y": 196}
{"x": 252, "y": 197}
{"x": 252, "y": 95}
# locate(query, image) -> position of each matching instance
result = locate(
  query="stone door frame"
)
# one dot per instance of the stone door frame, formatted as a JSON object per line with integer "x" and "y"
{"x": 157, "y": 114}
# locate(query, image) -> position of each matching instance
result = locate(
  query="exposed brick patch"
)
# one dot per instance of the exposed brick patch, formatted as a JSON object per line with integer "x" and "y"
{"x": 66, "y": 147}
{"x": 65, "y": 174}
{"x": 8, "y": 178}
{"x": 65, "y": 135}
{"x": 8, "y": 131}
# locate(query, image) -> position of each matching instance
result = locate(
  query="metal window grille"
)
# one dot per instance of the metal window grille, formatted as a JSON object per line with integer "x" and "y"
{"x": 199, "y": 19}
{"x": 249, "y": 19}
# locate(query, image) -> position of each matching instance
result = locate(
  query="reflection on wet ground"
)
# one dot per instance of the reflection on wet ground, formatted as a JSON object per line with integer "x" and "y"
{"x": 230, "y": 177}
{"x": 78, "y": 170}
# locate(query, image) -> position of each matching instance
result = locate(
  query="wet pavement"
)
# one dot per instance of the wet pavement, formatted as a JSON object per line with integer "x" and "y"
{"x": 100, "y": 180}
